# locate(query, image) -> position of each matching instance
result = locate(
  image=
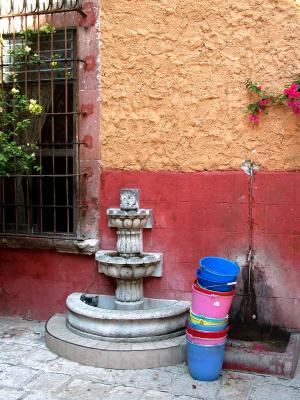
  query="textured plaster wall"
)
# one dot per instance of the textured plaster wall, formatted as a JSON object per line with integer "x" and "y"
{"x": 173, "y": 76}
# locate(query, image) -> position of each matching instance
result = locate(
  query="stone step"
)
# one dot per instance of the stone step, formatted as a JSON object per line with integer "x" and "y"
{"x": 97, "y": 353}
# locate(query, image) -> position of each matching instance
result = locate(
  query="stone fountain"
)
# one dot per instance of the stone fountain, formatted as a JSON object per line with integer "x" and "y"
{"x": 126, "y": 330}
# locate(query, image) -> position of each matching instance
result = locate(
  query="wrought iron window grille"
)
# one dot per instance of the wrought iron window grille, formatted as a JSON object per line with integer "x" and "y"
{"x": 45, "y": 203}
{"x": 17, "y": 8}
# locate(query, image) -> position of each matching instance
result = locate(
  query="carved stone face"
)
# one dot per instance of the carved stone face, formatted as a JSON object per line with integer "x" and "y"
{"x": 129, "y": 199}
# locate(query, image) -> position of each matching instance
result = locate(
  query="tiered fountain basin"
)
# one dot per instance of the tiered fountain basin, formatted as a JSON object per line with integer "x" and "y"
{"x": 134, "y": 267}
{"x": 129, "y": 272}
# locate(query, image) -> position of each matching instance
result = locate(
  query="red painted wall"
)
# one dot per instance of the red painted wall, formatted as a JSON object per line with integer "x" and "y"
{"x": 35, "y": 283}
{"x": 195, "y": 214}
{"x": 277, "y": 247}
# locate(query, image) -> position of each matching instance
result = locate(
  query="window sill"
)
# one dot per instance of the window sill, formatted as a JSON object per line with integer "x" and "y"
{"x": 87, "y": 246}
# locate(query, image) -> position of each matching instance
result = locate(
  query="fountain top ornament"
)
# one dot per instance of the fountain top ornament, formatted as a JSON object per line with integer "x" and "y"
{"x": 129, "y": 215}
{"x": 129, "y": 199}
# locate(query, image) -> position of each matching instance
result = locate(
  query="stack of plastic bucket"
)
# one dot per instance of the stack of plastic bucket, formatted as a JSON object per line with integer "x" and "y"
{"x": 207, "y": 329}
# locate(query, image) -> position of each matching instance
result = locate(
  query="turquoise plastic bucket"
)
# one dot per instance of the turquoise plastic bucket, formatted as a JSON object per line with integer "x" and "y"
{"x": 205, "y": 362}
{"x": 208, "y": 328}
{"x": 210, "y": 321}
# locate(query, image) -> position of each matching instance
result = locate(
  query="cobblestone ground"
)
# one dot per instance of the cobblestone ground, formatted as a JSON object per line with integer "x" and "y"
{"x": 28, "y": 370}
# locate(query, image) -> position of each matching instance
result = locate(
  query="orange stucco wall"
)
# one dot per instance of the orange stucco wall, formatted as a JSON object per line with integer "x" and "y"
{"x": 173, "y": 75}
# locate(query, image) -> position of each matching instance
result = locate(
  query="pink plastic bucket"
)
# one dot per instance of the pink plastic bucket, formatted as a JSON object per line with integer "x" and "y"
{"x": 211, "y": 304}
{"x": 206, "y": 342}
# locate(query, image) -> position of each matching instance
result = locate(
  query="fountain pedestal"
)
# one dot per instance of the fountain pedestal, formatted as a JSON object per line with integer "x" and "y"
{"x": 126, "y": 330}
{"x": 129, "y": 264}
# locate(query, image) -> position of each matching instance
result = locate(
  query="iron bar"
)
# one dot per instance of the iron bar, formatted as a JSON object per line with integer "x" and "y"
{"x": 45, "y": 235}
{"x": 40, "y": 214}
{"x": 43, "y": 206}
{"x": 44, "y": 175}
{"x": 29, "y": 8}
{"x": 66, "y": 122}
{"x": 76, "y": 161}
{"x": 52, "y": 127}
{"x": 45, "y": 62}
{"x": 60, "y": 143}
{"x": 65, "y": 113}
{"x": 13, "y": 33}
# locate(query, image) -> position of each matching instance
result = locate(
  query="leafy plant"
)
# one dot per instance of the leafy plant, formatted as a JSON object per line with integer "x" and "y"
{"x": 24, "y": 54}
{"x": 16, "y": 114}
{"x": 289, "y": 97}
{"x": 17, "y": 111}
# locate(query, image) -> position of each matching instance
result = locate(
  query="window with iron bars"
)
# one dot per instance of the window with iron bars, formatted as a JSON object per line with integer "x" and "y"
{"x": 40, "y": 51}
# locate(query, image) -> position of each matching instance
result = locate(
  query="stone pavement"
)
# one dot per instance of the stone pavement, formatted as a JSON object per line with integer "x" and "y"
{"x": 28, "y": 370}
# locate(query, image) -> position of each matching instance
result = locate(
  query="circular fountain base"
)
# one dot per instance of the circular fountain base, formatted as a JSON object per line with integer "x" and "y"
{"x": 100, "y": 335}
{"x": 142, "y": 339}
{"x": 114, "y": 355}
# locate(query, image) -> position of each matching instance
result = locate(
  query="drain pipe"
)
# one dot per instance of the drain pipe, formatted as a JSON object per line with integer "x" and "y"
{"x": 249, "y": 167}
{"x": 250, "y": 252}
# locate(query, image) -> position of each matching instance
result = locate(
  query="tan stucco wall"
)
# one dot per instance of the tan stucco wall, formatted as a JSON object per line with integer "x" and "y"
{"x": 173, "y": 74}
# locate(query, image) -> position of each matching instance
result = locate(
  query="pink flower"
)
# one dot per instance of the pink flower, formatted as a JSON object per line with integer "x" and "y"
{"x": 292, "y": 91}
{"x": 254, "y": 118}
{"x": 295, "y": 94}
{"x": 294, "y": 103}
{"x": 260, "y": 110}
{"x": 259, "y": 87}
{"x": 263, "y": 102}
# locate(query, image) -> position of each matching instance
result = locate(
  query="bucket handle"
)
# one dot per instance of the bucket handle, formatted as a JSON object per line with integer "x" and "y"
{"x": 228, "y": 284}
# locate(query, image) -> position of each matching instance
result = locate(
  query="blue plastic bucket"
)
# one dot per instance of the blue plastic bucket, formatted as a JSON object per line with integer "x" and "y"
{"x": 218, "y": 269}
{"x": 216, "y": 286}
{"x": 205, "y": 362}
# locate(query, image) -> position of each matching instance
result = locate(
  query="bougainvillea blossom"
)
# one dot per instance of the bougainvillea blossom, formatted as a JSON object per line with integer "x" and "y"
{"x": 289, "y": 97}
